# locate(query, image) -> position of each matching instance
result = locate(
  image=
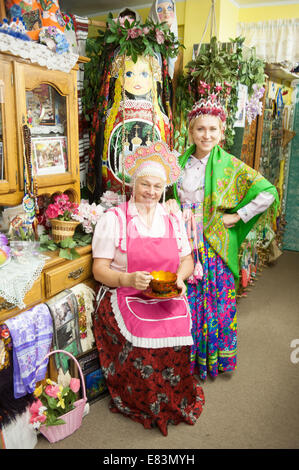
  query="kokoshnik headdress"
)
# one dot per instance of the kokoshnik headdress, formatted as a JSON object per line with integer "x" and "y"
{"x": 154, "y": 160}
{"x": 210, "y": 105}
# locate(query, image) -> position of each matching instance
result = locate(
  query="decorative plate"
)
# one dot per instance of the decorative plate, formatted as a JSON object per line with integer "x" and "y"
{"x": 157, "y": 295}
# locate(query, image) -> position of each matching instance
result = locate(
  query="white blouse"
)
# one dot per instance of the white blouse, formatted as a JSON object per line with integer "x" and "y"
{"x": 192, "y": 187}
{"x": 105, "y": 240}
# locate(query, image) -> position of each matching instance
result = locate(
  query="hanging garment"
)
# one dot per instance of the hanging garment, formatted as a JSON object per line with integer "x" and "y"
{"x": 32, "y": 334}
{"x": 64, "y": 312}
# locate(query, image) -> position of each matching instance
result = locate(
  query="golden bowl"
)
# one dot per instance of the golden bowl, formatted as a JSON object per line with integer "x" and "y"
{"x": 163, "y": 281}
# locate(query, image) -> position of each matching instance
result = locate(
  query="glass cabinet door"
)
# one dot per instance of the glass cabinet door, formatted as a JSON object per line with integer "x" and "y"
{"x": 8, "y": 149}
{"x": 46, "y": 115}
{"x": 48, "y": 105}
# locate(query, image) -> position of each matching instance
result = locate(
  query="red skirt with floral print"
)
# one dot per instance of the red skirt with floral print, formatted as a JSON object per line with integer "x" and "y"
{"x": 151, "y": 386}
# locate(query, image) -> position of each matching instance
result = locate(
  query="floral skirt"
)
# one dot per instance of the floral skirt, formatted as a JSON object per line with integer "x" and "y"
{"x": 214, "y": 318}
{"x": 213, "y": 308}
{"x": 151, "y": 386}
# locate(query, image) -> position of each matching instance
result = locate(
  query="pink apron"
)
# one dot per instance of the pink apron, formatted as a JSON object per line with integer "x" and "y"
{"x": 145, "y": 322}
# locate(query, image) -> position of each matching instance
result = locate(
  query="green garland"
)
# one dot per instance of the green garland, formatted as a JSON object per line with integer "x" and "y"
{"x": 222, "y": 65}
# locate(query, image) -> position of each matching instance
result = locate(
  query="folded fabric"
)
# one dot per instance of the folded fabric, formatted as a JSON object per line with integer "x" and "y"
{"x": 32, "y": 334}
{"x": 64, "y": 311}
{"x": 85, "y": 300}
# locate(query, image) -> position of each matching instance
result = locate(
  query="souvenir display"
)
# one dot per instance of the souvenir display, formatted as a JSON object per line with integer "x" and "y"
{"x": 36, "y": 14}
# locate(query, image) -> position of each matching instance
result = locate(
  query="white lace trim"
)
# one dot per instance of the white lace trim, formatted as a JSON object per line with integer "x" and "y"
{"x": 57, "y": 129}
{"x": 37, "y": 53}
{"x": 17, "y": 279}
{"x": 138, "y": 342}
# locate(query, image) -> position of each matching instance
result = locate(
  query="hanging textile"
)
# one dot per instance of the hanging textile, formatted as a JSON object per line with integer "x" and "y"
{"x": 10, "y": 407}
{"x": 276, "y": 41}
{"x": 85, "y": 300}
{"x": 80, "y": 25}
{"x": 64, "y": 312}
{"x": 31, "y": 333}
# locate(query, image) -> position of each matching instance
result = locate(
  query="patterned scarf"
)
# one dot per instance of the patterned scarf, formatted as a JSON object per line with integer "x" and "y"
{"x": 229, "y": 185}
{"x": 32, "y": 334}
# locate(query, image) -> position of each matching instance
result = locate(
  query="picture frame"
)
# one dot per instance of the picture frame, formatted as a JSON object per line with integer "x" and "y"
{"x": 49, "y": 155}
{"x": 94, "y": 380}
{"x": 40, "y": 104}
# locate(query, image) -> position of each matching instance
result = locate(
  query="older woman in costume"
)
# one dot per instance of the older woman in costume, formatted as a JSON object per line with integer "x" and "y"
{"x": 221, "y": 198}
{"x": 144, "y": 339}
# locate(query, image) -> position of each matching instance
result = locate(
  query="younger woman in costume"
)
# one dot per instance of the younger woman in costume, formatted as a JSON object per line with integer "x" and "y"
{"x": 144, "y": 342}
{"x": 221, "y": 198}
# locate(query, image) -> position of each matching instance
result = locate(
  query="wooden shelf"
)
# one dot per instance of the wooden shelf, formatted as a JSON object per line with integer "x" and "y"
{"x": 280, "y": 74}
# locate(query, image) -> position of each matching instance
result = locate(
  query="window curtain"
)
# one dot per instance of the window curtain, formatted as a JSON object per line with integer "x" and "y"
{"x": 275, "y": 41}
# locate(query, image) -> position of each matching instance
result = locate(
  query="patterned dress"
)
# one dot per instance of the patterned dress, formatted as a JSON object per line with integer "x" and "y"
{"x": 151, "y": 386}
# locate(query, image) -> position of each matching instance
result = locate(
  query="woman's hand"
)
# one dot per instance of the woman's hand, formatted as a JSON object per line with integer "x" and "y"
{"x": 230, "y": 220}
{"x": 181, "y": 285}
{"x": 171, "y": 206}
{"x": 139, "y": 280}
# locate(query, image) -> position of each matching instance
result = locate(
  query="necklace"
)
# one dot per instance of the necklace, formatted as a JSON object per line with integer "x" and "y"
{"x": 29, "y": 202}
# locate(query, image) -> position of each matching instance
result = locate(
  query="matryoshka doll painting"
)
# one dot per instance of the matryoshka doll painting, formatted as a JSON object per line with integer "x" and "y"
{"x": 135, "y": 118}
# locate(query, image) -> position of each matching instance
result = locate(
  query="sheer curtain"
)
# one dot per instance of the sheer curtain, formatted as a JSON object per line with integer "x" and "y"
{"x": 276, "y": 41}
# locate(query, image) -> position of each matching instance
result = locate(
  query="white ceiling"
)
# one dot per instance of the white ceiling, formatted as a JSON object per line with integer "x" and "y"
{"x": 98, "y": 7}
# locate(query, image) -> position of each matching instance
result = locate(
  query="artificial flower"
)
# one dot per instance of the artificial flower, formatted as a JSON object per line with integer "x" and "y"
{"x": 52, "y": 403}
{"x": 75, "y": 385}
{"x": 62, "y": 208}
{"x": 88, "y": 215}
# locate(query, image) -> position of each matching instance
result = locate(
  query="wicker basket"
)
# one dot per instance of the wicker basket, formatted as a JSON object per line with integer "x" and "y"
{"x": 62, "y": 229}
{"x": 73, "y": 418}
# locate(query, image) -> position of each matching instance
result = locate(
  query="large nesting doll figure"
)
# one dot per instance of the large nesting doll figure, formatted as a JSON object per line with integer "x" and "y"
{"x": 135, "y": 118}
{"x": 165, "y": 11}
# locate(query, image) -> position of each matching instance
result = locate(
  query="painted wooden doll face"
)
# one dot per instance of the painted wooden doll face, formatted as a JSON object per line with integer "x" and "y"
{"x": 165, "y": 12}
{"x": 138, "y": 77}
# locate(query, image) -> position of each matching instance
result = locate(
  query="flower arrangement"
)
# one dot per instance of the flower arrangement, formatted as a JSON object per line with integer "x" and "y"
{"x": 254, "y": 107}
{"x": 53, "y": 401}
{"x": 110, "y": 199}
{"x": 62, "y": 208}
{"x": 88, "y": 215}
{"x": 135, "y": 38}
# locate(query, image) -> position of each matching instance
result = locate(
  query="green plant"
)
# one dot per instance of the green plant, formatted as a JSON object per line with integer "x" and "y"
{"x": 218, "y": 66}
{"x": 67, "y": 247}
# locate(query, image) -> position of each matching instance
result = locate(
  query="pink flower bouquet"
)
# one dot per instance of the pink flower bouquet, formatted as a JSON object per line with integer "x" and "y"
{"x": 53, "y": 401}
{"x": 88, "y": 215}
{"x": 62, "y": 208}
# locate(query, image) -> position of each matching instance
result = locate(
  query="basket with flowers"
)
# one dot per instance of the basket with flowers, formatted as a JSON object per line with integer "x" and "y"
{"x": 56, "y": 412}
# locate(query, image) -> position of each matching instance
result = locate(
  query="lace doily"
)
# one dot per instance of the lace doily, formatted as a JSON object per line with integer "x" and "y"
{"x": 38, "y": 53}
{"x": 16, "y": 279}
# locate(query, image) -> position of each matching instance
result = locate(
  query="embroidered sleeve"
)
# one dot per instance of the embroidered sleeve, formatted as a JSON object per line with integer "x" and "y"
{"x": 256, "y": 206}
{"x": 181, "y": 234}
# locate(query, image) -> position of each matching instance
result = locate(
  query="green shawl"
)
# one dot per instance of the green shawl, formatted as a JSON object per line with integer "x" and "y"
{"x": 229, "y": 185}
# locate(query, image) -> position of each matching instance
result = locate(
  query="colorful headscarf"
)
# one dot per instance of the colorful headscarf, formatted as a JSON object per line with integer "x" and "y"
{"x": 229, "y": 185}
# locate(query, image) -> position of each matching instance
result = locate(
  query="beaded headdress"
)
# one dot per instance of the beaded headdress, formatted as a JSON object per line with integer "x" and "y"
{"x": 154, "y": 160}
{"x": 210, "y": 105}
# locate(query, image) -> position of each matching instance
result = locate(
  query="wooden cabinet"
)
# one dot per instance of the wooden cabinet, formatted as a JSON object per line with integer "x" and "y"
{"x": 45, "y": 100}
{"x": 58, "y": 274}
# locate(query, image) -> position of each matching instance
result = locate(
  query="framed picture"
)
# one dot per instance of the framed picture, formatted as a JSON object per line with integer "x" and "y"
{"x": 49, "y": 155}
{"x": 93, "y": 376}
{"x": 41, "y": 106}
